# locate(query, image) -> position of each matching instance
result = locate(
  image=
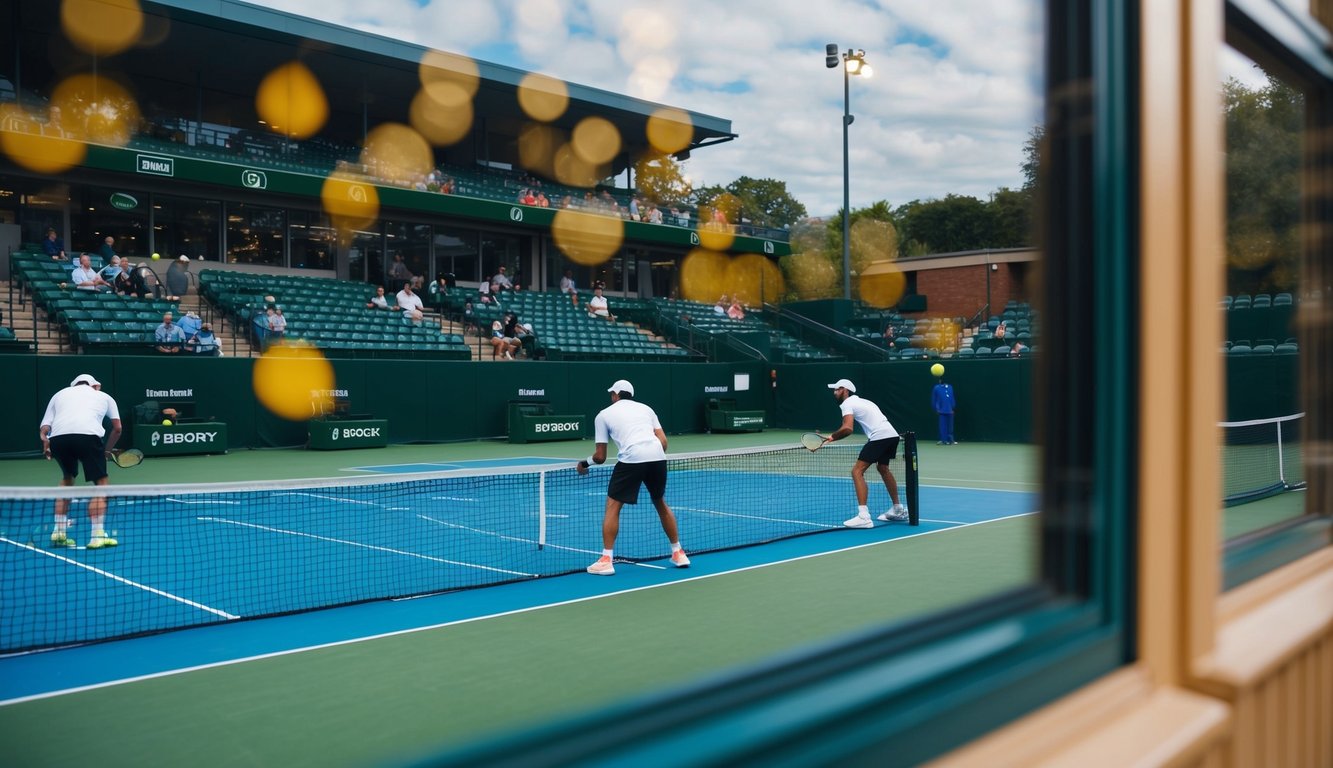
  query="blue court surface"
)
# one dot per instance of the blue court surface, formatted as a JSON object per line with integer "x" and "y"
{"x": 200, "y": 561}
{"x": 401, "y": 469}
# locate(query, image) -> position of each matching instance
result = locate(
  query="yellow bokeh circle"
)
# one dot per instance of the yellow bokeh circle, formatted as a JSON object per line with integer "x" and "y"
{"x": 22, "y": 142}
{"x": 97, "y": 109}
{"x": 573, "y": 170}
{"x": 595, "y": 140}
{"x": 703, "y": 275}
{"x": 587, "y": 238}
{"x": 294, "y": 381}
{"x": 351, "y": 202}
{"x": 754, "y": 279}
{"x": 396, "y": 151}
{"x": 441, "y": 124}
{"x": 103, "y": 27}
{"x": 292, "y": 102}
{"x": 881, "y": 285}
{"x": 542, "y": 97}
{"x": 448, "y": 76}
{"x": 669, "y": 130}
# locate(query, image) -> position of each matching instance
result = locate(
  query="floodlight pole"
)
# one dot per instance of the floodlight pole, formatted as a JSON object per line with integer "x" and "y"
{"x": 846, "y": 181}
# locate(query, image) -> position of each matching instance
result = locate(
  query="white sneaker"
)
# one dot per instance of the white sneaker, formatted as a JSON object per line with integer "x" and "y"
{"x": 859, "y": 522}
{"x": 679, "y": 559}
{"x": 896, "y": 515}
{"x": 603, "y": 567}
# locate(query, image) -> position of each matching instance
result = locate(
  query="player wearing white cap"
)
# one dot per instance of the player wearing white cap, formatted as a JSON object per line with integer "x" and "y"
{"x": 881, "y": 447}
{"x": 641, "y": 460}
{"x": 72, "y": 433}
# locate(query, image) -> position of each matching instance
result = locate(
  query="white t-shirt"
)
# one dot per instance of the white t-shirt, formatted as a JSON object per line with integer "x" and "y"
{"x": 597, "y": 306}
{"x": 79, "y": 411}
{"x": 379, "y": 301}
{"x": 407, "y": 303}
{"x": 869, "y": 417}
{"x": 630, "y": 424}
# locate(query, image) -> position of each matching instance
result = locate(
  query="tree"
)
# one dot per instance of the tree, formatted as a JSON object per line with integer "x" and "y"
{"x": 1011, "y": 217}
{"x": 1032, "y": 157}
{"x": 955, "y": 223}
{"x": 766, "y": 202}
{"x": 660, "y": 179}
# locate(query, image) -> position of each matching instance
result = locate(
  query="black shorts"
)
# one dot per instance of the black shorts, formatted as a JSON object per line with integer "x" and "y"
{"x": 70, "y": 450}
{"x": 879, "y": 451}
{"x": 626, "y": 478}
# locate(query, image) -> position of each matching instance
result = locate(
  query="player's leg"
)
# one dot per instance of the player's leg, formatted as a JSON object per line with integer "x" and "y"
{"x": 944, "y": 429}
{"x": 862, "y": 518}
{"x": 611, "y": 523}
{"x": 62, "y": 451}
{"x": 890, "y": 482}
{"x": 655, "y": 475}
{"x": 888, "y": 453}
{"x": 94, "y": 469}
{"x": 622, "y": 489}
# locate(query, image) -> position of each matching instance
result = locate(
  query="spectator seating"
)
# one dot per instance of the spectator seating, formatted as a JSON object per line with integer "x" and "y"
{"x": 330, "y": 314}
{"x": 692, "y": 317}
{"x": 1259, "y": 317}
{"x": 566, "y": 332}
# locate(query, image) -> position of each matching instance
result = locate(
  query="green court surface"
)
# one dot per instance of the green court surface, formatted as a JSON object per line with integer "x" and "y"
{"x": 397, "y": 697}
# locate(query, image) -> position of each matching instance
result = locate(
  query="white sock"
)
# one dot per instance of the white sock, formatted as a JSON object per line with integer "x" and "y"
{"x": 606, "y": 553}
{"x": 863, "y": 511}
{"x": 675, "y": 546}
{"x": 62, "y": 523}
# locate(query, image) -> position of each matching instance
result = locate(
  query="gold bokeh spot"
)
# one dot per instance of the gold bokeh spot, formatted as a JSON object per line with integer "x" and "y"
{"x": 103, "y": 27}
{"x": 881, "y": 284}
{"x": 438, "y": 68}
{"x": 293, "y": 380}
{"x": 703, "y": 275}
{"x": 587, "y": 238}
{"x": 542, "y": 97}
{"x": 595, "y": 140}
{"x": 22, "y": 142}
{"x": 573, "y": 170}
{"x": 350, "y": 202}
{"x": 669, "y": 130}
{"x": 292, "y": 102}
{"x": 441, "y": 125}
{"x": 755, "y": 279}
{"x": 97, "y": 109}
{"x": 537, "y": 145}
{"x": 397, "y": 152}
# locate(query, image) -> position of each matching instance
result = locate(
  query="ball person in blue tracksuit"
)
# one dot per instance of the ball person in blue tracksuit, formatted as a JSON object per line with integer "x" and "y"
{"x": 941, "y": 399}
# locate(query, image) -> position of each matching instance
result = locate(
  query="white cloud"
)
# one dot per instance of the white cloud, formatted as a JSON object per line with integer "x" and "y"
{"x": 955, "y": 91}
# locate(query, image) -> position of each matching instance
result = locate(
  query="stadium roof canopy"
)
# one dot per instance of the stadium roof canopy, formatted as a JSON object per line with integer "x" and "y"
{"x": 203, "y": 59}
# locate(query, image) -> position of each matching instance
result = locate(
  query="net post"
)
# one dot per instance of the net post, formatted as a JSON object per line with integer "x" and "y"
{"x": 541, "y": 510}
{"x": 1281, "y": 465}
{"x": 913, "y": 484}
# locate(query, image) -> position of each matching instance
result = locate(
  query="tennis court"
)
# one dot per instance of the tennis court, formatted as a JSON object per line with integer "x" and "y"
{"x": 387, "y": 680}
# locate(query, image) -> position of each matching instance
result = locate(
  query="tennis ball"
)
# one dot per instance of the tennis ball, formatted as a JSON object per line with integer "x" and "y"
{"x": 166, "y": 422}
{"x": 937, "y": 370}
{"x": 157, "y": 256}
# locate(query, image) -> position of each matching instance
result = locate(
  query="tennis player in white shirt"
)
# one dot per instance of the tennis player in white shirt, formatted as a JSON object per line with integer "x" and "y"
{"x": 881, "y": 447}
{"x": 72, "y": 434}
{"x": 641, "y": 460}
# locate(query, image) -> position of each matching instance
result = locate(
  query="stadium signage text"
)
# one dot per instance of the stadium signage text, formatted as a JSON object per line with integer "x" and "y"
{"x": 715, "y": 390}
{"x": 123, "y": 201}
{"x": 559, "y": 426}
{"x": 169, "y": 392}
{"x": 178, "y": 438}
{"x": 532, "y": 393}
{"x": 254, "y": 179}
{"x": 746, "y": 421}
{"x": 322, "y": 393}
{"x": 356, "y": 432}
{"x": 157, "y": 166}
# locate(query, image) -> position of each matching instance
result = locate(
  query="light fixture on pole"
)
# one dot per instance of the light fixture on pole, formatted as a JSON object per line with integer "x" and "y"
{"x": 853, "y": 63}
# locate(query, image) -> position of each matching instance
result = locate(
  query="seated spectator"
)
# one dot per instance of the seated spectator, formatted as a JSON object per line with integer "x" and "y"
{"x": 720, "y": 308}
{"x": 1000, "y": 330}
{"x": 1018, "y": 349}
{"x": 124, "y": 284}
{"x": 526, "y": 197}
{"x": 736, "y": 311}
{"x": 678, "y": 218}
{"x": 168, "y": 337}
{"x": 259, "y": 321}
{"x": 143, "y": 281}
{"x": 567, "y": 285}
{"x": 410, "y": 304}
{"x": 379, "y": 300}
{"x": 439, "y": 290}
{"x": 204, "y": 342}
{"x": 447, "y": 186}
{"x": 597, "y": 305}
{"x": 277, "y": 324}
{"x": 85, "y": 278}
{"x": 501, "y": 345}
{"x": 500, "y": 281}
{"x": 54, "y": 126}
{"x": 178, "y": 278}
{"x": 469, "y": 317}
{"x": 542, "y": 200}
{"x": 190, "y": 324}
{"x": 111, "y": 271}
{"x": 527, "y": 339}
{"x": 654, "y": 215}
{"x": 634, "y": 214}
{"x": 53, "y": 246}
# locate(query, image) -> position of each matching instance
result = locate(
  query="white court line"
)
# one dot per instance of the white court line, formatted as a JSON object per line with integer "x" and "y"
{"x": 522, "y": 540}
{"x": 757, "y": 517}
{"x": 365, "y": 546}
{"x": 451, "y": 498}
{"x": 122, "y": 579}
{"x": 209, "y": 501}
{"x": 331, "y": 498}
{"x": 458, "y": 622}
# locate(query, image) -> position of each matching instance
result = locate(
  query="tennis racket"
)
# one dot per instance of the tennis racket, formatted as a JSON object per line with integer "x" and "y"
{"x": 813, "y": 441}
{"x": 130, "y": 457}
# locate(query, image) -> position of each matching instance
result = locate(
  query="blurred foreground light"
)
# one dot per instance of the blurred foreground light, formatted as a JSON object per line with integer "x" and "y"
{"x": 542, "y": 97}
{"x": 102, "y": 27}
{"x": 291, "y": 99}
{"x": 587, "y": 238}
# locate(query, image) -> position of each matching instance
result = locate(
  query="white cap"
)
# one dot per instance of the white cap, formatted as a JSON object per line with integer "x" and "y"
{"x": 85, "y": 378}
{"x": 843, "y": 384}
{"x": 527, "y": 326}
{"x": 183, "y": 257}
{"x": 622, "y": 386}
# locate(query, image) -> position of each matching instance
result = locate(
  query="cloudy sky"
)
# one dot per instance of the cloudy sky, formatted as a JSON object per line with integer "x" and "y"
{"x": 954, "y": 93}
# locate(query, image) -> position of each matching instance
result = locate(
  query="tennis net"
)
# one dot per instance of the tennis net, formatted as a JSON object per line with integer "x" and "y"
{"x": 201, "y": 554}
{"x": 1261, "y": 458}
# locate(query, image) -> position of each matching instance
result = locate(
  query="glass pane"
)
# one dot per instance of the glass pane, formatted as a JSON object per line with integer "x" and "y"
{"x": 255, "y": 234}
{"x": 185, "y": 226}
{"x": 1262, "y": 432}
{"x": 314, "y": 241}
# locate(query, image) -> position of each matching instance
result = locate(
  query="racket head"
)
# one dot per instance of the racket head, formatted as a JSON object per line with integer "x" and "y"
{"x": 129, "y": 458}
{"x": 812, "y": 441}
